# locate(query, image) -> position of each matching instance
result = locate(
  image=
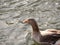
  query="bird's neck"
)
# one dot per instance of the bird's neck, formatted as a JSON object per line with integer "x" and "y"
{"x": 36, "y": 33}
{"x": 35, "y": 27}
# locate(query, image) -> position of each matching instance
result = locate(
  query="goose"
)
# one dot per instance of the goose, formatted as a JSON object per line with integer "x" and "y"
{"x": 46, "y": 37}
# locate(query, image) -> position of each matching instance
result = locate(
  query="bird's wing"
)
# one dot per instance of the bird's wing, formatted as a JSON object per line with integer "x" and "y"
{"x": 50, "y": 32}
{"x": 56, "y": 35}
{"x": 44, "y": 33}
{"x": 54, "y": 30}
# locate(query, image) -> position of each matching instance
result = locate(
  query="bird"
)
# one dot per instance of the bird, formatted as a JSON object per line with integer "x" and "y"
{"x": 46, "y": 37}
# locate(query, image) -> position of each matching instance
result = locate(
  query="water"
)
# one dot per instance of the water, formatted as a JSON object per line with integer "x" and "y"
{"x": 13, "y": 12}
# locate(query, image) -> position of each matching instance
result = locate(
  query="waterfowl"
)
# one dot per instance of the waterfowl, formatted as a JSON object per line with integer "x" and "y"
{"x": 46, "y": 36}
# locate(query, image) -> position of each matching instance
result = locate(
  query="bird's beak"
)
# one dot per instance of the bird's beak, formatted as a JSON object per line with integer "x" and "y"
{"x": 25, "y": 21}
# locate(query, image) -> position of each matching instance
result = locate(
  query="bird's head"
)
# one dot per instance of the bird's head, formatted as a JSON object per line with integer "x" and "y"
{"x": 29, "y": 21}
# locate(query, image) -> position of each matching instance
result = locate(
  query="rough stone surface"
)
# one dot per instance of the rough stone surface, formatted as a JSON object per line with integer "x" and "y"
{"x": 12, "y": 12}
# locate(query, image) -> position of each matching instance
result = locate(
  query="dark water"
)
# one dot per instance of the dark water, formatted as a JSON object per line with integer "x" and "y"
{"x": 13, "y": 12}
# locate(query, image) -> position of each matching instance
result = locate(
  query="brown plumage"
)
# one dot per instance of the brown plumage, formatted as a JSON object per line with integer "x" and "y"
{"x": 47, "y": 36}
